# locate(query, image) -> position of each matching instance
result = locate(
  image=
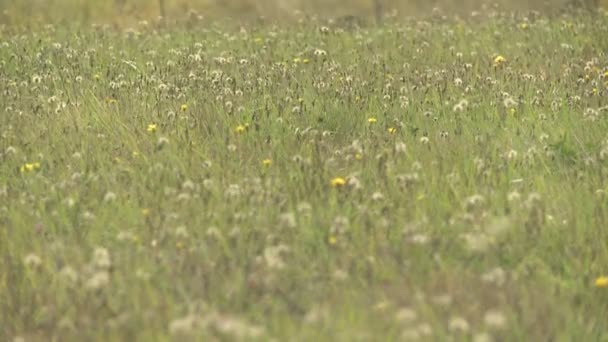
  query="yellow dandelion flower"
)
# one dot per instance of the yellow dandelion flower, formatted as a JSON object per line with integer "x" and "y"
{"x": 524, "y": 26}
{"x": 296, "y": 60}
{"x": 240, "y": 129}
{"x": 184, "y": 107}
{"x": 601, "y": 282}
{"x": 332, "y": 240}
{"x": 499, "y": 60}
{"x": 594, "y": 90}
{"x": 97, "y": 77}
{"x": 151, "y": 128}
{"x": 357, "y": 98}
{"x": 29, "y": 167}
{"x": 338, "y": 182}
{"x": 372, "y": 120}
{"x": 358, "y": 156}
{"x": 305, "y": 60}
{"x": 267, "y": 162}
{"x": 392, "y": 130}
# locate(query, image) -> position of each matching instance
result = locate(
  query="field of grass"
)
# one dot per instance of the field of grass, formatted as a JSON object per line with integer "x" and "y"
{"x": 432, "y": 179}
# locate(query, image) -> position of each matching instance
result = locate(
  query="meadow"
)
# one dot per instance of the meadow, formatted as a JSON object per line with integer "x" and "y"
{"x": 437, "y": 178}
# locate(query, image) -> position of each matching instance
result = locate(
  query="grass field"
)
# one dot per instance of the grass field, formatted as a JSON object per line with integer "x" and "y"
{"x": 432, "y": 179}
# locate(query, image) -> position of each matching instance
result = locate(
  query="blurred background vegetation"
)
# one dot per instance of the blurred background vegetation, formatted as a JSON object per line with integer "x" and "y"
{"x": 126, "y": 11}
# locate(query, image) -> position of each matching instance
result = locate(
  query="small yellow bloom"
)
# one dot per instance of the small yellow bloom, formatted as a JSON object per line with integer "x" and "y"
{"x": 392, "y": 130}
{"x": 240, "y": 129}
{"x": 601, "y": 282}
{"x": 372, "y": 120}
{"x": 145, "y": 211}
{"x": 151, "y": 128}
{"x": 28, "y": 167}
{"x": 512, "y": 111}
{"x": 97, "y": 77}
{"x": 338, "y": 182}
{"x": 357, "y": 98}
{"x": 594, "y": 90}
{"x": 184, "y": 107}
{"x": 524, "y": 26}
{"x": 358, "y": 156}
{"x": 499, "y": 60}
{"x": 332, "y": 240}
{"x": 305, "y": 60}
{"x": 267, "y": 162}
{"x": 296, "y": 60}
{"x": 258, "y": 40}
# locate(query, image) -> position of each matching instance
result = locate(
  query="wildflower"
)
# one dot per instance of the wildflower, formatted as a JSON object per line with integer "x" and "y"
{"x": 28, "y": 167}
{"x": 240, "y": 129}
{"x": 320, "y": 53}
{"x": 391, "y": 130}
{"x": 267, "y": 162}
{"x": 332, "y": 240}
{"x": 458, "y": 324}
{"x": 406, "y": 315}
{"x": 97, "y": 77}
{"x": 274, "y": 256}
{"x": 400, "y": 147}
{"x": 32, "y": 260}
{"x": 499, "y": 60}
{"x": 98, "y": 280}
{"x": 162, "y": 141}
{"x": 287, "y": 220}
{"x": 372, "y": 120}
{"x": 338, "y": 182}
{"x": 495, "y": 319}
{"x": 68, "y": 274}
{"x": 151, "y": 128}
{"x": 109, "y": 196}
{"x": 601, "y": 282}
{"x": 184, "y": 107}
{"x": 101, "y": 258}
{"x": 496, "y": 276}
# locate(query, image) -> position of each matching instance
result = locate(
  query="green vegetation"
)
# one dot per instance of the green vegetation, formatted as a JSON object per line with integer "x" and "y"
{"x": 428, "y": 179}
